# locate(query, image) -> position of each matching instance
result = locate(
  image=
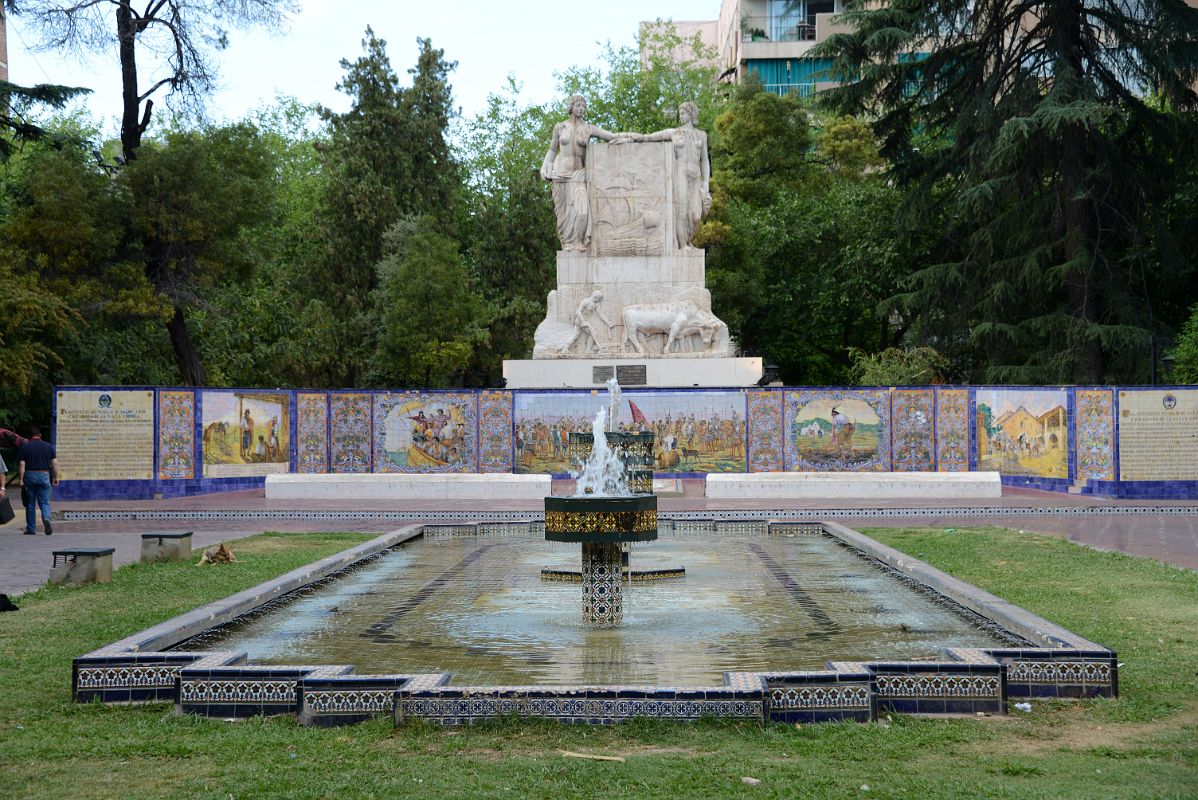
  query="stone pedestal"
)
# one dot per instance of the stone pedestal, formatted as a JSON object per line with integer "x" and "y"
{"x": 602, "y": 587}
{"x": 593, "y": 373}
{"x": 165, "y": 546}
{"x": 77, "y": 566}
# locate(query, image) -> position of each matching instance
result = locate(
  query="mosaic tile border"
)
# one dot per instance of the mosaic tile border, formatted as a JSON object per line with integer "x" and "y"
{"x": 737, "y": 515}
{"x": 963, "y": 680}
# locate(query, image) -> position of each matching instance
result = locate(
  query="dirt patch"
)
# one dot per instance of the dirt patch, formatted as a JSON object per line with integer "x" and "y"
{"x": 1070, "y": 727}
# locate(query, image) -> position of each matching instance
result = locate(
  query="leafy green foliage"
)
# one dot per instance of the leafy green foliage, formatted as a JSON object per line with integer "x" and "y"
{"x": 804, "y": 243}
{"x": 897, "y": 366}
{"x": 385, "y": 159}
{"x": 1047, "y": 162}
{"x": 1185, "y": 365}
{"x": 431, "y": 311}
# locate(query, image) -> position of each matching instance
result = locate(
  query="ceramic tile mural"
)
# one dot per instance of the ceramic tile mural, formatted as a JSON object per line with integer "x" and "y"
{"x": 913, "y": 447}
{"x": 1023, "y": 431}
{"x": 246, "y": 433}
{"x": 349, "y": 432}
{"x": 838, "y": 430}
{"x": 765, "y": 431}
{"x": 495, "y": 432}
{"x": 176, "y": 435}
{"x": 700, "y": 431}
{"x": 952, "y": 430}
{"x": 1095, "y": 417}
{"x": 425, "y": 432}
{"x": 311, "y": 432}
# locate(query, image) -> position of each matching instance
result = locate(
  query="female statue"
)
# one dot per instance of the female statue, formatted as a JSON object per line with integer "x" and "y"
{"x": 692, "y": 172}
{"x": 565, "y": 166}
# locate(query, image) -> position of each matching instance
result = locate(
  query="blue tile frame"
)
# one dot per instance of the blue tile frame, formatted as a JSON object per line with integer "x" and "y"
{"x": 159, "y": 487}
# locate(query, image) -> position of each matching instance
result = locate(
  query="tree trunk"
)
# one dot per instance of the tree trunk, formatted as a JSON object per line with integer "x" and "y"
{"x": 190, "y": 367}
{"x": 131, "y": 125}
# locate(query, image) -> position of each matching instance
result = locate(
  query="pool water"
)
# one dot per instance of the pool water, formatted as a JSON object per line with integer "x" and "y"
{"x": 477, "y": 608}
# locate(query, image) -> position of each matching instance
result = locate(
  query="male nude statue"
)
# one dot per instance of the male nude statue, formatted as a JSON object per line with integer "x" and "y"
{"x": 582, "y": 323}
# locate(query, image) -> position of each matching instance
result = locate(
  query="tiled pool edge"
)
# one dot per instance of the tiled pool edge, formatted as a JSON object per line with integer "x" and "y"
{"x": 140, "y": 668}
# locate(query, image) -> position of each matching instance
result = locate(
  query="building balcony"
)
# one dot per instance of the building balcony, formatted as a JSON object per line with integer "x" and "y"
{"x": 784, "y": 37}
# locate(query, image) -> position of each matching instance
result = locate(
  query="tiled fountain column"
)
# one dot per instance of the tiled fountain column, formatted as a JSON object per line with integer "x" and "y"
{"x": 602, "y": 590}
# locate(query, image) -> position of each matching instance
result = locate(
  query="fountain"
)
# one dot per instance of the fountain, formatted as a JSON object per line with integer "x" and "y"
{"x": 607, "y": 512}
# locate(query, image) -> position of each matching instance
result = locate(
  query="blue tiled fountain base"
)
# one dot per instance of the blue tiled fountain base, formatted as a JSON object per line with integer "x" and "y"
{"x": 142, "y": 669}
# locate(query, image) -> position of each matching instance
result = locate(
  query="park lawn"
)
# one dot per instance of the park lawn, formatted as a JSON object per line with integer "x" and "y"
{"x": 1144, "y": 744}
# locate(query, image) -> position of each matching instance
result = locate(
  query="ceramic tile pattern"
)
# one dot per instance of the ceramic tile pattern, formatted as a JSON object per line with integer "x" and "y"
{"x": 350, "y": 432}
{"x": 913, "y": 438}
{"x": 918, "y": 429}
{"x": 1095, "y": 417}
{"x": 765, "y": 431}
{"x": 952, "y": 430}
{"x": 312, "y": 432}
{"x": 495, "y": 432}
{"x": 176, "y": 435}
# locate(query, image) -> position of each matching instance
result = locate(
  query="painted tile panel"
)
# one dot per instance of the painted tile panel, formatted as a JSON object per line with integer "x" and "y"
{"x": 176, "y": 435}
{"x": 312, "y": 432}
{"x": 766, "y": 437}
{"x": 246, "y": 433}
{"x": 838, "y": 430}
{"x": 350, "y": 432}
{"x": 425, "y": 432}
{"x": 695, "y": 431}
{"x": 495, "y": 432}
{"x": 1095, "y": 434}
{"x": 912, "y": 413}
{"x": 1023, "y": 431}
{"x": 952, "y": 430}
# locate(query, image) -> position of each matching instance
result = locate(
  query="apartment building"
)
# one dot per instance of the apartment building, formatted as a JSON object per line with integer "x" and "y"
{"x": 772, "y": 40}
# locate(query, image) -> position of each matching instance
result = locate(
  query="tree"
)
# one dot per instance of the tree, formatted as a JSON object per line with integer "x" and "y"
{"x": 1185, "y": 354}
{"x": 1042, "y": 132}
{"x": 177, "y": 34}
{"x": 431, "y": 315}
{"x": 194, "y": 197}
{"x": 386, "y": 159}
{"x": 15, "y": 119}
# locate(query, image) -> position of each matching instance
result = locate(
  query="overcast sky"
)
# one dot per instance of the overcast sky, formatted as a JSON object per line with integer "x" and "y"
{"x": 530, "y": 39}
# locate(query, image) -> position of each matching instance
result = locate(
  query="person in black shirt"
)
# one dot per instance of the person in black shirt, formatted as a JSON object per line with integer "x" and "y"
{"x": 37, "y": 466}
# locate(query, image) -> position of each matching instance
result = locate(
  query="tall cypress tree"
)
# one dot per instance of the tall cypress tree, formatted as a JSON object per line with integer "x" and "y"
{"x": 386, "y": 160}
{"x": 1045, "y": 131}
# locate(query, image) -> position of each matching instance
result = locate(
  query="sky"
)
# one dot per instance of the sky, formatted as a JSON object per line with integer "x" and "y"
{"x": 530, "y": 39}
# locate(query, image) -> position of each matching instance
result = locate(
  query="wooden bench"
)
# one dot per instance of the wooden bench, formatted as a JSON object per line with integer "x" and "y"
{"x": 77, "y": 566}
{"x": 165, "y": 546}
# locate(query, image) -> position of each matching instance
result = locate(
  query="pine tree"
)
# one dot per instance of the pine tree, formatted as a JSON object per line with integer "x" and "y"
{"x": 1045, "y": 132}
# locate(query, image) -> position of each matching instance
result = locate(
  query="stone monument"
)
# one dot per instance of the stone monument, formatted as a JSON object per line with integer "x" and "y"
{"x": 631, "y": 299}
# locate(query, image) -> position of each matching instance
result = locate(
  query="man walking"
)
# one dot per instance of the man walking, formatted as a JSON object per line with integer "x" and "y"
{"x": 37, "y": 466}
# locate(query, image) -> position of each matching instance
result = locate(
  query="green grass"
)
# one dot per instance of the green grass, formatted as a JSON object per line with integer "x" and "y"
{"x": 1144, "y": 744}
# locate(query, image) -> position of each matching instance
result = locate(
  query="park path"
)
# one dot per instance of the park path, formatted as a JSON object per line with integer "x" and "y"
{"x": 1162, "y": 530}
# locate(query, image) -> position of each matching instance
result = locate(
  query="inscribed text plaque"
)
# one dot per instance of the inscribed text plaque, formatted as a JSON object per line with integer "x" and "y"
{"x": 105, "y": 435}
{"x": 1158, "y": 435}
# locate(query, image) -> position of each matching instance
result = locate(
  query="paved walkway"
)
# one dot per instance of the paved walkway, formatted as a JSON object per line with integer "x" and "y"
{"x": 1163, "y": 530}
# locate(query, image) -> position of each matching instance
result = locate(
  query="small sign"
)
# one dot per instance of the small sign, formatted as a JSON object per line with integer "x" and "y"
{"x": 632, "y": 375}
{"x": 602, "y": 374}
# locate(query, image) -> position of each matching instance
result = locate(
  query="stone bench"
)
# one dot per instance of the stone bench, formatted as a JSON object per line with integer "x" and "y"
{"x": 165, "y": 546}
{"x": 399, "y": 486}
{"x": 862, "y": 485}
{"x": 76, "y": 566}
